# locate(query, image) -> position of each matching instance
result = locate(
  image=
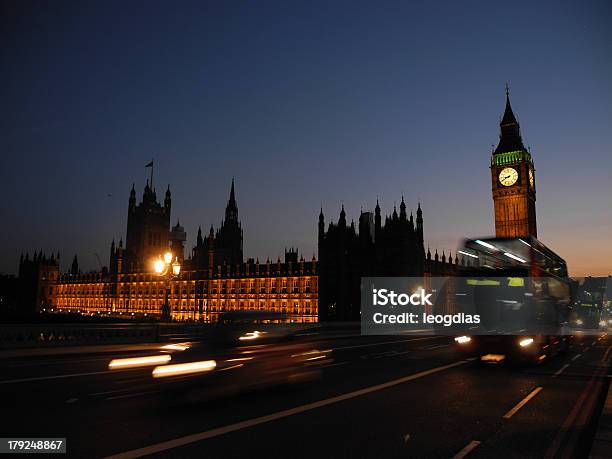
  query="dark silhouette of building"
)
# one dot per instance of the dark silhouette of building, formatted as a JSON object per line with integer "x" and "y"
{"x": 9, "y": 295}
{"x": 513, "y": 181}
{"x": 148, "y": 229}
{"x": 223, "y": 247}
{"x": 37, "y": 279}
{"x": 394, "y": 248}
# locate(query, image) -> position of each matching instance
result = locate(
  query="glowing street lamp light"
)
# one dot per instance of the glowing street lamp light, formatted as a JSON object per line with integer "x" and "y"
{"x": 176, "y": 267}
{"x": 159, "y": 266}
{"x": 164, "y": 266}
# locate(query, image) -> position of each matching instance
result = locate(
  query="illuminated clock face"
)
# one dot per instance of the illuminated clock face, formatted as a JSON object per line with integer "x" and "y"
{"x": 508, "y": 176}
{"x": 531, "y": 179}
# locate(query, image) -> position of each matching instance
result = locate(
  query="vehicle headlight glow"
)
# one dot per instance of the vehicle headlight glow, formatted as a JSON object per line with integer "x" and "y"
{"x": 463, "y": 339}
{"x": 525, "y": 342}
{"x": 176, "y": 347}
{"x": 251, "y": 335}
{"x": 138, "y": 361}
{"x": 184, "y": 368}
{"x": 579, "y": 322}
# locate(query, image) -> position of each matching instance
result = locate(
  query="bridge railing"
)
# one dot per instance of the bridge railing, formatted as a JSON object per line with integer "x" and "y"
{"x": 14, "y": 336}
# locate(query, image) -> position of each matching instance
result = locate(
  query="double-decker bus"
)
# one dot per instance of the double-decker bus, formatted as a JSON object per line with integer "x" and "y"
{"x": 522, "y": 294}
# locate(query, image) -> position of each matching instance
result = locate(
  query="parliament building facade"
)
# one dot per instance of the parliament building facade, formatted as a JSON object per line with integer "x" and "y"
{"x": 215, "y": 278}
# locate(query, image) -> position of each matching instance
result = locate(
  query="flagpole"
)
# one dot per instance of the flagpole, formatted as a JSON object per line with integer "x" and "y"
{"x": 152, "y": 165}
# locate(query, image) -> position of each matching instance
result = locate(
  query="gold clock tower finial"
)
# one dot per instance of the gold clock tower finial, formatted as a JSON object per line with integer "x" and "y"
{"x": 513, "y": 180}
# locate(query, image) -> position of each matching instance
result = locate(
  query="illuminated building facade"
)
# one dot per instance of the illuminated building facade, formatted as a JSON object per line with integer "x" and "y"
{"x": 213, "y": 279}
{"x": 513, "y": 181}
{"x": 200, "y": 295}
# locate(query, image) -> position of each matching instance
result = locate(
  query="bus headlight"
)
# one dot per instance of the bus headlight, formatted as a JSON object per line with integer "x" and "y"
{"x": 525, "y": 342}
{"x": 463, "y": 339}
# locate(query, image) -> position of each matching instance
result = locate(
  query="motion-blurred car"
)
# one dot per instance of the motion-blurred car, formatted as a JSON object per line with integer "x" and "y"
{"x": 246, "y": 350}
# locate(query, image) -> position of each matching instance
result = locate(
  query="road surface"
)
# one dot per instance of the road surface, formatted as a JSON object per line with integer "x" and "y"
{"x": 377, "y": 397}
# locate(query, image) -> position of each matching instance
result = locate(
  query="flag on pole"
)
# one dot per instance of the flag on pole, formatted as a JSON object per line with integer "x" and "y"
{"x": 151, "y": 166}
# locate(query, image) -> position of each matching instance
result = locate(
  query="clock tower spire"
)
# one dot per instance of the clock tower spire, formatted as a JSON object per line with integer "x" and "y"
{"x": 513, "y": 180}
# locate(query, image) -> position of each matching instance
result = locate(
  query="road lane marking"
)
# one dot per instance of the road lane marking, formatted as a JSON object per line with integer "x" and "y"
{"x": 561, "y": 370}
{"x": 431, "y": 347}
{"x": 570, "y": 431}
{"x": 522, "y": 403}
{"x": 188, "y": 439}
{"x": 135, "y": 394}
{"x": 380, "y": 355}
{"x": 95, "y": 394}
{"x": 334, "y": 364}
{"x": 576, "y": 357}
{"x": 435, "y": 346}
{"x": 42, "y": 378}
{"x": 467, "y": 450}
{"x": 71, "y": 400}
{"x": 376, "y": 355}
{"x": 71, "y": 375}
{"x": 385, "y": 342}
{"x": 66, "y": 361}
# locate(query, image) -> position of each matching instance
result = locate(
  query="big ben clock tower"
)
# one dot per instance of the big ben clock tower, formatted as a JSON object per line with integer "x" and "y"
{"x": 513, "y": 181}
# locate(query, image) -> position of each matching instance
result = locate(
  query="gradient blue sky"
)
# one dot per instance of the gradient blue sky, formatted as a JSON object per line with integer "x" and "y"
{"x": 303, "y": 102}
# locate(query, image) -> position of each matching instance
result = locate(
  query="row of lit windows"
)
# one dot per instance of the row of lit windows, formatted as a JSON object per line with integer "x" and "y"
{"x": 125, "y": 289}
{"x": 152, "y": 306}
{"x": 213, "y": 303}
{"x": 279, "y": 282}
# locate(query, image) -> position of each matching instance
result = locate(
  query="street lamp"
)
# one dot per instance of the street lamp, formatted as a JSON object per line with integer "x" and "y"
{"x": 164, "y": 266}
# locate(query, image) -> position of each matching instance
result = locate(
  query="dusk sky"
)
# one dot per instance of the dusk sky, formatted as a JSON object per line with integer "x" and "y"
{"x": 304, "y": 103}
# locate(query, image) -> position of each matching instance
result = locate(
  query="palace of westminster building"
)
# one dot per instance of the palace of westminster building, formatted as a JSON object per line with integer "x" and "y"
{"x": 215, "y": 278}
